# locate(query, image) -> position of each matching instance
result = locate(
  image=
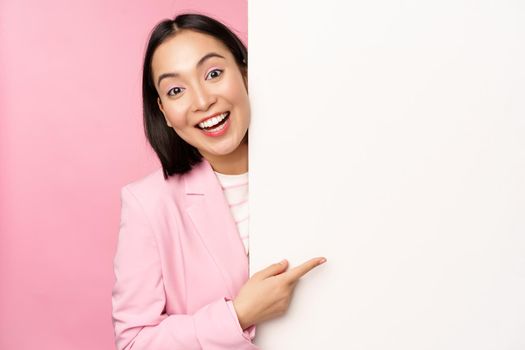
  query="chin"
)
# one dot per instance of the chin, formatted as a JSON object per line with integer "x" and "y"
{"x": 224, "y": 151}
{"x": 220, "y": 153}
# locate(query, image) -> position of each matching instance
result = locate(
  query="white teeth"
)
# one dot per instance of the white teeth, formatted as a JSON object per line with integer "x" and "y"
{"x": 213, "y": 121}
{"x": 220, "y": 127}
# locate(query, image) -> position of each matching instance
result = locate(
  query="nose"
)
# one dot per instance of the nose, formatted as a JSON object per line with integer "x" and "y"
{"x": 203, "y": 98}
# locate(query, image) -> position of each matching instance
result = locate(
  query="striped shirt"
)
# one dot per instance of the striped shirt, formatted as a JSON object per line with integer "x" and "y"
{"x": 235, "y": 188}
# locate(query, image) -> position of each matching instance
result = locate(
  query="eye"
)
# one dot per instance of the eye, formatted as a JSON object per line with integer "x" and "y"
{"x": 215, "y": 73}
{"x": 174, "y": 91}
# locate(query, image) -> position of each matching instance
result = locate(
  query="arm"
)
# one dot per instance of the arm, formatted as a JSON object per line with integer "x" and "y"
{"x": 249, "y": 332}
{"x": 138, "y": 298}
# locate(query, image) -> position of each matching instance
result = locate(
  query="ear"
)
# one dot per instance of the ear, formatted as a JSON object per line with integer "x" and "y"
{"x": 245, "y": 77}
{"x": 159, "y": 102}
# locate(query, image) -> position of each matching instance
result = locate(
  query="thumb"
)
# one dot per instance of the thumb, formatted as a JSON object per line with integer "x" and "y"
{"x": 273, "y": 269}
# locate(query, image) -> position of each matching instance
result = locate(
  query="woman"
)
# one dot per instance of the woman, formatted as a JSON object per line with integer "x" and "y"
{"x": 181, "y": 267}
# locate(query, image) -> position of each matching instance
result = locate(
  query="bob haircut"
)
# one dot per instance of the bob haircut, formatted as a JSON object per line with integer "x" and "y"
{"x": 176, "y": 155}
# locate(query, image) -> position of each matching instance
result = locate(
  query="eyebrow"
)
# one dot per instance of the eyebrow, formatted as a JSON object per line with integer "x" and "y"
{"x": 201, "y": 61}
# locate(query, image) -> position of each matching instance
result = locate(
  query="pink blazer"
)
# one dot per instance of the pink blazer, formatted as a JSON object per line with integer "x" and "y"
{"x": 178, "y": 264}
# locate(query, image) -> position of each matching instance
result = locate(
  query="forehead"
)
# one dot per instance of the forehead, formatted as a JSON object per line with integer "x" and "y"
{"x": 181, "y": 52}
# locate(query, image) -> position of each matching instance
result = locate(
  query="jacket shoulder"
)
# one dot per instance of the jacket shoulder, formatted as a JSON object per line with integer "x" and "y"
{"x": 153, "y": 188}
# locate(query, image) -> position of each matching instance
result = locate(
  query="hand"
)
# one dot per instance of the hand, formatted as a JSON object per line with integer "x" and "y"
{"x": 268, "y": 292}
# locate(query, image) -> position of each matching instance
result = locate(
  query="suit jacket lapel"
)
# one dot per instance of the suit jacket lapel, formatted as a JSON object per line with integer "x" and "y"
{"x": 211, "y": 216}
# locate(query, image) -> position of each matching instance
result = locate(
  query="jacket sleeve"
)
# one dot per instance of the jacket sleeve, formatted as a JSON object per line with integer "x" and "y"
{"x": 138, "y": 298}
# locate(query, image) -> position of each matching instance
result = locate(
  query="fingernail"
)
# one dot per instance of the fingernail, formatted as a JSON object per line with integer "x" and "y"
{"x": 283, "y": 262}
{"x": 322, "y": 261}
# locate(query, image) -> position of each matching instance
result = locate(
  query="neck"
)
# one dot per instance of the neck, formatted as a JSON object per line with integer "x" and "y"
{"x": 231, "y": 164}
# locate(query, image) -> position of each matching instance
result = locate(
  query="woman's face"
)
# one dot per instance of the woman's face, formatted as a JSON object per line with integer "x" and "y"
{"x": 202, "y": 92}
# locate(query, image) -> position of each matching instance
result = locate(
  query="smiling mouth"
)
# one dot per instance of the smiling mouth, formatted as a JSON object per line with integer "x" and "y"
{"x": 214, "y": 122}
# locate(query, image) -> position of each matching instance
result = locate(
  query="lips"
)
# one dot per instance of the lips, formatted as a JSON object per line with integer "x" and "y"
{"x": 217, "y": 129}
{"x": 209, "y": 119}
{"x": 213, "y": 121}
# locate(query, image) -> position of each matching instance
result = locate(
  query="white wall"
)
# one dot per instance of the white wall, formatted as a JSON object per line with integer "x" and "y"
{"x": 389, "y": 136}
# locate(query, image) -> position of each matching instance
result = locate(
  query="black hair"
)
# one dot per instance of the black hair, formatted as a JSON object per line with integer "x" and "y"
{"x": 176, "y": 155}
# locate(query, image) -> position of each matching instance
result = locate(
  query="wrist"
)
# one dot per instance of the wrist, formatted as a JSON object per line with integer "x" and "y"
{"x": 241, "y": 315}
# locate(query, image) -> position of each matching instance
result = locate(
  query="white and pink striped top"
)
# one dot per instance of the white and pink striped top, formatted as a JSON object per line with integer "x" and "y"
{"x": 235, "y": 188}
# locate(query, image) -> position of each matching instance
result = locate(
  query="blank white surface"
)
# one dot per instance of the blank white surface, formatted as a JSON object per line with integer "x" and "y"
{"x": 390, "y": 138}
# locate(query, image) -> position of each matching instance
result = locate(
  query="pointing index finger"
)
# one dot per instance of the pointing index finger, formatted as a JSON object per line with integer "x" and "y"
{"x": 299, "y": 271}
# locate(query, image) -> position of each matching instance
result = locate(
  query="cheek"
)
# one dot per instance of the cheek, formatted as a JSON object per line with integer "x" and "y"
{"x": 239, "y": 96}
{"x": 176, "y": 115}
{"x": 235, "y": 90}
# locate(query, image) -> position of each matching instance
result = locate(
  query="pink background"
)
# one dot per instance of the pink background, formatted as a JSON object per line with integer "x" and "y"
{"x": 70, "y": 137}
